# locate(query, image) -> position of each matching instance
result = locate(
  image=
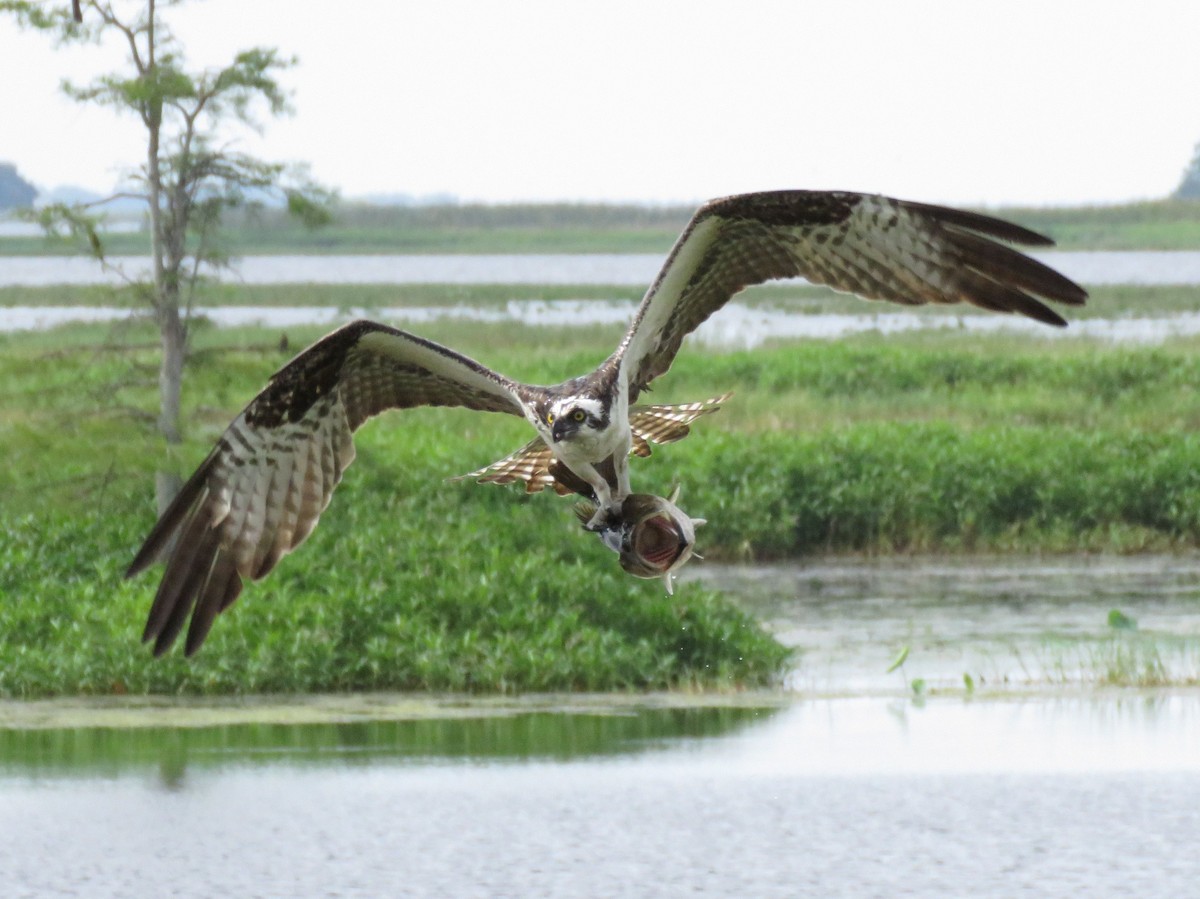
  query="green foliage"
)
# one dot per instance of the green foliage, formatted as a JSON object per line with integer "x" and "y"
{"x": 906, "y": 444}
{"x": 863, "y": 445}
{"x": 307, "y": 210}
{"x": 381, "y": 599}
{"x": 929, "y": 486}
{"x": 1125, "y": 658}
{"x": 193, "y": 176}
{"x": 56, "y": 18}
{"x": 596, "y": 228}
{"x": 1172, "y": 224}
{"x": 1119, "y": 621}
{"x": 71, "y": 226}
{"x": 409, "y": 583}
{"x": 1132, "y": 662}
{"x": 190, "y": 177}
{"x": 901, "y": 658}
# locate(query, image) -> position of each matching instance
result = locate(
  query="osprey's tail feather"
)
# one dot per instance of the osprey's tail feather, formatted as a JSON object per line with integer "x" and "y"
{"x": 531, "y": 464}
{"x": 666, "y": 424}
{"x": 649, "y": 424}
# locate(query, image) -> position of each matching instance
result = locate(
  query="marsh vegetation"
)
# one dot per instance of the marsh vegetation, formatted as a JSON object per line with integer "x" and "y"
{"x": 928, "y": 442}
{"x": 602, "y": 228}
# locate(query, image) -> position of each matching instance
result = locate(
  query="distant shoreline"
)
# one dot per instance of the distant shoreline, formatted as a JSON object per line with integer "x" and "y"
{"x": 601, "y": 228}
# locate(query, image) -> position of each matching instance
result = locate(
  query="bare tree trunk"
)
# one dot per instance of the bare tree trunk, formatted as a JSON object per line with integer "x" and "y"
{"x": 170, "y": 375}
{"x": 170, "y": 380}
{"x": 166, "y": 293}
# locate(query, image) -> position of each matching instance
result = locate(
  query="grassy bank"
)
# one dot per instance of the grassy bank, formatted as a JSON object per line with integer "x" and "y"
{"x": 924, "y": 442}
{"x": 596, "y": 228}
{"x": 410, "y": 583}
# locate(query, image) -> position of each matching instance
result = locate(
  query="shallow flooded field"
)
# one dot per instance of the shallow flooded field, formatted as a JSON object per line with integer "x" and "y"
{"x": 739, "y": 327}
{"x": 1039, "y": 781}
{"x": 1085, "y": 266}
{"x": 1003, "y": 623}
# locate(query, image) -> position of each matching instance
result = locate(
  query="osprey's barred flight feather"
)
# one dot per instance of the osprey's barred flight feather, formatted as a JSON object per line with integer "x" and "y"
{"x": 532, "y": 463}
{"x": 259, "y": 493}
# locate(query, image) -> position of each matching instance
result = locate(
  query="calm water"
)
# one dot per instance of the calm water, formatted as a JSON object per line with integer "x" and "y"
{"x": 1022, "y": 623}
{"x": 844, "y": 787}
{"x": 580, "y": 268}
{"x": 1087, "y": 267}
{"x": 848, "y": 798}
{"x": 738, "y": 326}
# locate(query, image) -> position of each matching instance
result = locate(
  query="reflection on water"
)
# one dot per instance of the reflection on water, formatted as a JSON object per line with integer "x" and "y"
{"x": 108, "y": 751}
{"x": 1085, "y": 796}
{"x": 802, "y": 738}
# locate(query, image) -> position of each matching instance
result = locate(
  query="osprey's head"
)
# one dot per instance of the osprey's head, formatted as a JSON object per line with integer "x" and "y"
{"x": 572, "y": 417}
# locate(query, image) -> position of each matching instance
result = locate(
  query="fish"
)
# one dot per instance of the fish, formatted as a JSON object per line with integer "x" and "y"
{"x": 652, "y": 536}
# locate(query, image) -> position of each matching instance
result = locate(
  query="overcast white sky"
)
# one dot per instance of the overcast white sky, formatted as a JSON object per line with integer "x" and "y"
{"x": 941, "y": 100}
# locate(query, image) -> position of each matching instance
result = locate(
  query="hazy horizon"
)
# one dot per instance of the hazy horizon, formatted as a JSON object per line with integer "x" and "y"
{"x": 982, "y": 104}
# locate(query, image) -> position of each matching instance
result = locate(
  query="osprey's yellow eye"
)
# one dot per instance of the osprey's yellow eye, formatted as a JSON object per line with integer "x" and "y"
{"x": 549, "y": 418}
{"x": 579, "y": 416}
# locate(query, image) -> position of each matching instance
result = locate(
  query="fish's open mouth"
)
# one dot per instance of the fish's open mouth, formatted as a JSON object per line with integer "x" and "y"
{"x": 658, "y": 541}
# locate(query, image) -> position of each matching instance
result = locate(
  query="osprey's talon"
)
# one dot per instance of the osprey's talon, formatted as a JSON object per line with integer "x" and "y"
{"x": 604, "y": 519}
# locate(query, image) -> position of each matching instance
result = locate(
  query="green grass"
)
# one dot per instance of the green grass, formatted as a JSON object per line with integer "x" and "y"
{"x": 596, "y": 228}
{"x": 366, "y": 296}
{"x": 927, "y": 487}
{"x": 380, "y": 599}
{"x": 410, "y": 582}
{"x": 921, "y": 442}
{"x": 1135, "y": 659}
{"x": 1145, "y": 225}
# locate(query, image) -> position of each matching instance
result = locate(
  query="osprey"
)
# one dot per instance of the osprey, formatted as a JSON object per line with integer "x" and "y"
{"x": 261, "y": 489}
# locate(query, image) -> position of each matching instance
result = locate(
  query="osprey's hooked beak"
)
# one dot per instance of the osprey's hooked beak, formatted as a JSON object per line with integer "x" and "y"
{"x": 565, "y": 427}
{"x": 653, "y": 536}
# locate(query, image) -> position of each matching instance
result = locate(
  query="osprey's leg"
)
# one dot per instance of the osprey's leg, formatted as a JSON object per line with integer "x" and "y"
{"x": 608, "y": 500}
{"x": 607, "y": 505}
{"x": 621, "y": 467}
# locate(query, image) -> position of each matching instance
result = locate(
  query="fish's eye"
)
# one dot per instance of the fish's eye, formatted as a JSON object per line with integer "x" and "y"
{"x": 579, "y": 416}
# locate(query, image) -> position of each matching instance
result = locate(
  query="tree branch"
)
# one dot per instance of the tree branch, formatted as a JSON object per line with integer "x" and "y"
{"x": 191, "y": 174}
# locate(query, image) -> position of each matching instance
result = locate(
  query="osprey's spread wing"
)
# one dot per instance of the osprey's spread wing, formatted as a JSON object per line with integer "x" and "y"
{"x": 259, "y": 493}
{"x": 876, "y": 247}
{"x": 534, "y": 462}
